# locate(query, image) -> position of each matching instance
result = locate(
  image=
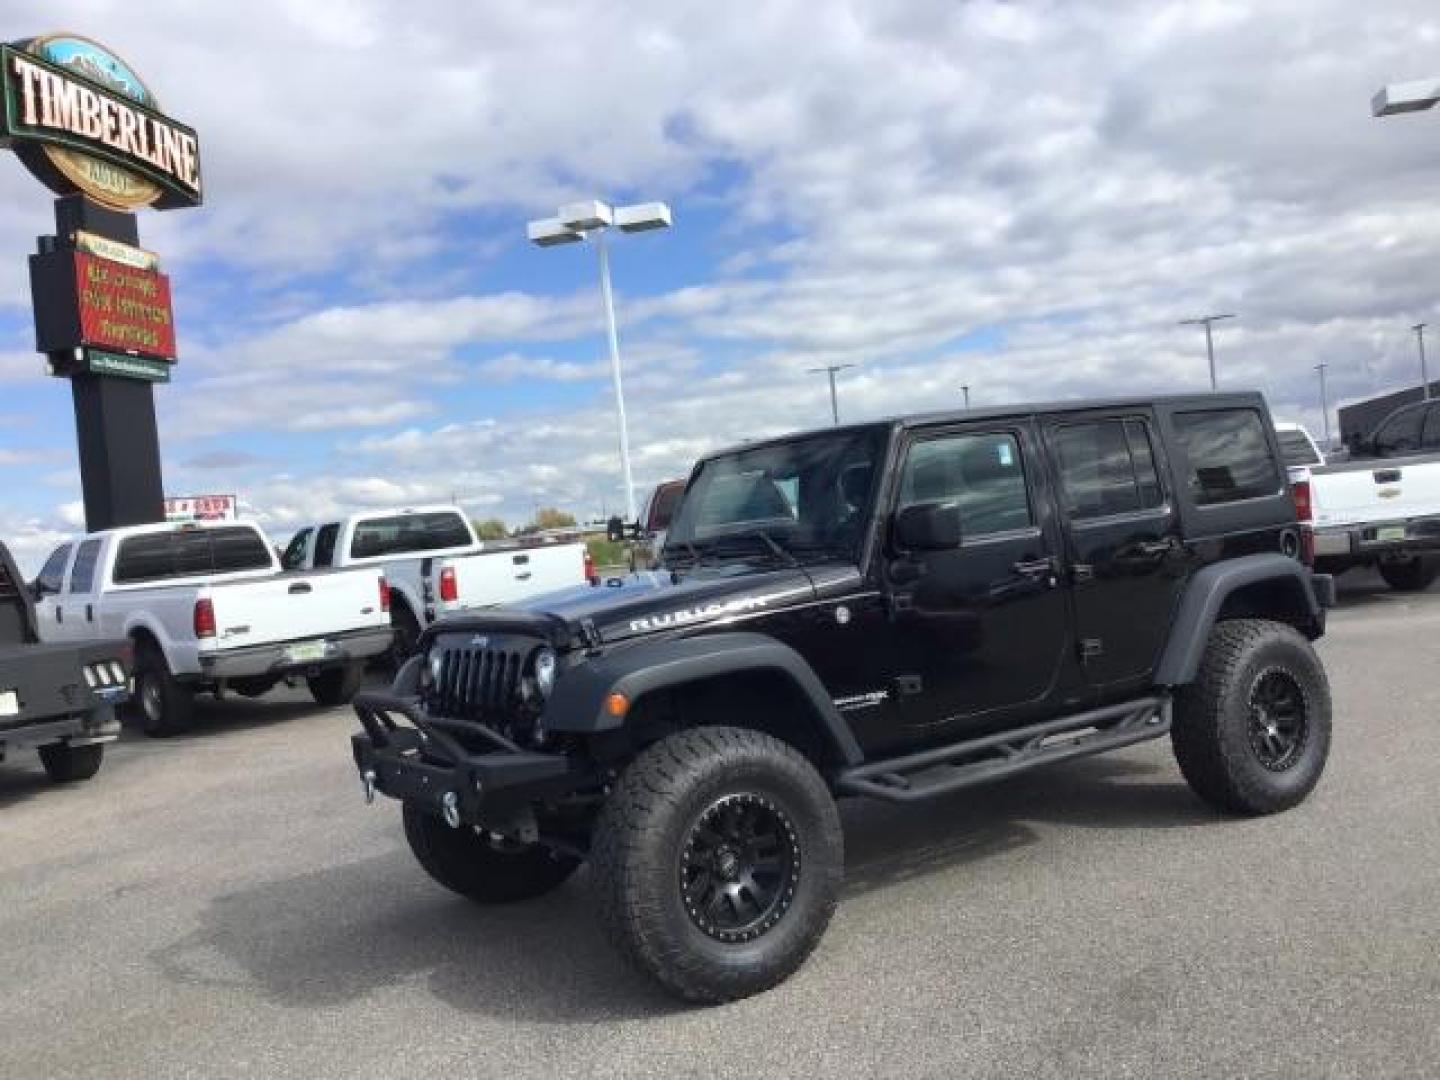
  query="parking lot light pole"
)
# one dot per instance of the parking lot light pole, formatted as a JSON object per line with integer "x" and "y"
{"x": 1324, "y": 403}
{"x": 1406, "y": 97}
{"x": 831, "y": 369}
{"x": 966, "y": 391}
{"x": 1419, "y": 329}
{"x": 582, "y": 221}
{"x": 1208, "y": 321}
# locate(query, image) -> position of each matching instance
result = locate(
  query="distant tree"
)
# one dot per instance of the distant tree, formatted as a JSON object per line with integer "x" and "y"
{"x": 547, "y": 517}
{"x": 491, "y": 529}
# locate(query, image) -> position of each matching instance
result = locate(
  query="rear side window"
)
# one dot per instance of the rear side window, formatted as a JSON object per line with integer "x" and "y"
{"x": 1107, "y": 468}
{"x": 82, "y": 577}
{"x": 325, "y": 544}
{"x": 1230, "y": 457}
{"x": 407, "y": 534}
{"x": 1296, "y": 448}
{"x": 189, "y": 553}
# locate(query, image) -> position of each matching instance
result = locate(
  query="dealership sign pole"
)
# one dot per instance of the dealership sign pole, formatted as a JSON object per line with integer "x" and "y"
{"x": 81, "y": 120}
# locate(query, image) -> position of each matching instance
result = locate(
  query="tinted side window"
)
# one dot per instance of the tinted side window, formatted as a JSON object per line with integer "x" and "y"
{"x": 982, "y": 474}
{"x": 1229, "y": 455}
{"x": 189, "y": 553}
{"x": 294, "y": 557}
{"x": 407, "y": 533}
{"x": 144, "y": 558}
{"x": 82, "y": 577}
{"x": 1431, "y": 439}
{"x": 52, "y": 574}
{"x": 325, "y": 544}
{"x": 1401, "y": 434}
{"x": 1106, "y": 468}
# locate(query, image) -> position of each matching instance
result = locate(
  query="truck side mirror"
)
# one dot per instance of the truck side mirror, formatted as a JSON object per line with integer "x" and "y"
{"x": 929, "y": 526}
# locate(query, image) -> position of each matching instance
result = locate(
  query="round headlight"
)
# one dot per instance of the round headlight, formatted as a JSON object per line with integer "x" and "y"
{"x": 545, "y": 671}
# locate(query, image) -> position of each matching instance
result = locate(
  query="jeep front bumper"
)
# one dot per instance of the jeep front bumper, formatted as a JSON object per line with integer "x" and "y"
{"x": 409, "y": 755}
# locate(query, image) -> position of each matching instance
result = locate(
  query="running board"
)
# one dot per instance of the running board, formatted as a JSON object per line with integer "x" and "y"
{"x": 978, "y": 761}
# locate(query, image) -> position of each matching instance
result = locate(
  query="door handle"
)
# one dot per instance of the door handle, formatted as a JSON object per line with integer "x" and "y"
{"x": 300, "y": 587}
{"x": 1034, "y": 568}
{"x": 1155, "y": 547}
{"x": 524, "y": 575}
{"x": 59, "y": 614}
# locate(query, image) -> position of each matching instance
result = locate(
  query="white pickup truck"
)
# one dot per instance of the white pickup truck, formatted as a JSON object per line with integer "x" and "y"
{"x": 1380, "y": 506}
{"x": 435, "y": 564}
{"x": 207, "y": 608}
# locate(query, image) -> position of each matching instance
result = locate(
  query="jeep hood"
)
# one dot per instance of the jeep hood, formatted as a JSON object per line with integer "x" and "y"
{"x": 643, "y": 603}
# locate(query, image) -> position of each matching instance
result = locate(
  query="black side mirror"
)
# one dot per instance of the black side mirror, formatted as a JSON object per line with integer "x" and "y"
{"x": 931, "y": 526}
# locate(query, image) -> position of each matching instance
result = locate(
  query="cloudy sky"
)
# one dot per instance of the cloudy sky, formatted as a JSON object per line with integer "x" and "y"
{"x": 1021, "y": 197}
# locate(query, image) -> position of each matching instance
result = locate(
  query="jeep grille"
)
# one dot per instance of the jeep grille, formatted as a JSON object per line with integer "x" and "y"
{"x": 473, "y": 681}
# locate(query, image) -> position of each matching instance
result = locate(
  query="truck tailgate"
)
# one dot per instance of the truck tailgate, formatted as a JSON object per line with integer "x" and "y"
{"x": 291, "y": 607}
{"x": 1381, "y": 490}
{"x": 509, "y": 575}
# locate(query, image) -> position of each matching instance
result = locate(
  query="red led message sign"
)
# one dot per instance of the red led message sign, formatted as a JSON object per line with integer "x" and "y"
{"x": 124, "y": 308}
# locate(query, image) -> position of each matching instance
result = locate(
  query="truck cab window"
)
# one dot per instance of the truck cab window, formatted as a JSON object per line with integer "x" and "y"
{"x": 325, "y": 544}
{"x": 52, "y": 574}
{"x": 82, "y": 577}
{"x": 982, "y": 474}
{"x": 294, "y": 557}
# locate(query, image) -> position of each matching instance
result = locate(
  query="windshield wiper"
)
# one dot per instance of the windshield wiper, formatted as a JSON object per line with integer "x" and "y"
{"x": 779, "y": 550}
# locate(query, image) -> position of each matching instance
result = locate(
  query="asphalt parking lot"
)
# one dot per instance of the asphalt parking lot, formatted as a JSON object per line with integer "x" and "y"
{"x": 225, "y": 905}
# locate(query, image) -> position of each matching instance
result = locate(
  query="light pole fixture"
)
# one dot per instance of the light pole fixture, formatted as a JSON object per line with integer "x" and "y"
{"x": 830, "y": 370}
{"x": 1208, "y": 321}
{"x": 1419, "y": 329}
{"x": 589, "y": 220}
{"x": 1324, "y": 403}
{"x": 1406, "y": 97}
{"x": 966, "y": 391}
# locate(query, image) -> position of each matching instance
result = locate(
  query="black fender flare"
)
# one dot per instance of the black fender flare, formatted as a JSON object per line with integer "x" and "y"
{"x": 1205, "y": 595}
{"x": 578, "y": 703}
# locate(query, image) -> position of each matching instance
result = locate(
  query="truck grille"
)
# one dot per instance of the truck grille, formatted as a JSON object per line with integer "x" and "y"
{"x": 475, "y": 681}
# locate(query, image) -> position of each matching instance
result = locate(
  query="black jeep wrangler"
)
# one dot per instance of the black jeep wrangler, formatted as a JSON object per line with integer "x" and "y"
{"x": 895, "y": 610}
{"x": 58, "y": 697}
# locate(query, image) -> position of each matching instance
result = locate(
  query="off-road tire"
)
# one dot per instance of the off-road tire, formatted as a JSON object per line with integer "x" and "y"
{"x": 1222, "y": 732}
{"x": 162, "y": 704}
{"x": 1412, "y": 575}
{"x": 466, "y": 861}
{"x": 336, "y": 686}
{"x": 66, "y": 764}
{"x": 644, "y": 837}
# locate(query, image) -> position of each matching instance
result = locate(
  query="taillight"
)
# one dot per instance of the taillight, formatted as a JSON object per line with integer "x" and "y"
{"x": 449, "y": 590}
{"x": 1300, "y": 490}
{"x": 588, "y": 566}
{"x": 384, "y": 594}
{"x": 204, "y": 618}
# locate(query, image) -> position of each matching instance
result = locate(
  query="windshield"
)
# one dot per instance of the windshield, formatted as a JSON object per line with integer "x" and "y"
{"x": 809, "y": 496}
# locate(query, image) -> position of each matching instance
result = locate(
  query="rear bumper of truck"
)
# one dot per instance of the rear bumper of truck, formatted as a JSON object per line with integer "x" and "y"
{"x": 99, "y": 725}
{"x": 303, "y": 656}
{"x": 409, "y": 755}
{"x": 1401, "y": 537}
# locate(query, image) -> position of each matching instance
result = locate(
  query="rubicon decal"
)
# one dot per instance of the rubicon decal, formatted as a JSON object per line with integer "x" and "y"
{"x": 704, "y": 612}
{"x": 81, "y": 120}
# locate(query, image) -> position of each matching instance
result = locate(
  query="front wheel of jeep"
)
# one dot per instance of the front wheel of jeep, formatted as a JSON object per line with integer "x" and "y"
{"x": 1252, "y": 732}
{"x": 717, "y": 861}
{"x": 478, "y": 866}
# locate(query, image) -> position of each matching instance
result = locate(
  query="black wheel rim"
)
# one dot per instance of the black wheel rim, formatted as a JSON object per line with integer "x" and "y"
{"x": 740, "y": 868}
{"x": 1279, "y": 722}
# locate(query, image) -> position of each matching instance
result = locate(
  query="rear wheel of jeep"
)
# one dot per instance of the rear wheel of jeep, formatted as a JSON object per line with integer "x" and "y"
{"x": 66, "y": 764}
{"x": 1412, "y": 575}
{"x": 1252, "y": 732}
{"x": 474, "y": 864}
{"x": 718, "y": 859}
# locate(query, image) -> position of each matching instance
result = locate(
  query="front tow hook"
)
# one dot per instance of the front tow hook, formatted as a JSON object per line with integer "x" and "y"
{"x": 450, "y": 807}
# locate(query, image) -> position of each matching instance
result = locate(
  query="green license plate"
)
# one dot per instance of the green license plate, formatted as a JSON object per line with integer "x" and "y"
{"x": 1389, "y": 533}
{"x": 306, "y": 652}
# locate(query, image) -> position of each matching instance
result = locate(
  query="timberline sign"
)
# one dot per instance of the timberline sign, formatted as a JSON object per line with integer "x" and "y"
{"x": 81, "y": 120}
